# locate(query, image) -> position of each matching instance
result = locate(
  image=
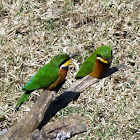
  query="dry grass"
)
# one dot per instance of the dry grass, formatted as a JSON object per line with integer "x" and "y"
{"x": 32, "y": 32}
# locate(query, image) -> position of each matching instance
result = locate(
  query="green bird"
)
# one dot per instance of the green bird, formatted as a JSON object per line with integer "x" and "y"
{"x": 51, "y": 76}
{"x": 97, "y": 63}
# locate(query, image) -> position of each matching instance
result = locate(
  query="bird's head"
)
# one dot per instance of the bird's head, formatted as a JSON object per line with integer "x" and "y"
{"x": 104, "y": 54}
{"x": 62, "y": 60}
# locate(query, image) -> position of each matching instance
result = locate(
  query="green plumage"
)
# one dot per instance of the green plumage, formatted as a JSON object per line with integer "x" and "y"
{"x": 43, "y": 78}
{"x": 47, "y": 75}
{"x": 89, "y": 63}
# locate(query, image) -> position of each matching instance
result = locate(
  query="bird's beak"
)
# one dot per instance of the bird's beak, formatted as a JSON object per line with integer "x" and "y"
{"x": 109, "y": 61}
{"x": 73, "y": 55}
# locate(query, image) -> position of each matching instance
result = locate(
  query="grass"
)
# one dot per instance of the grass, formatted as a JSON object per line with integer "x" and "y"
{"x": 32, "y": 32}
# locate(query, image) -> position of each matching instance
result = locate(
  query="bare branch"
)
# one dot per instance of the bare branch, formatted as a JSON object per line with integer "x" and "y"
{"x": 30, "y": 122}
{"x": 65, "y": 128}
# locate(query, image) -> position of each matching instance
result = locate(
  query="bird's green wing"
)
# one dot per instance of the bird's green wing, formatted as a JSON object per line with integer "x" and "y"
{"x": 87, "y": 66}
{"x": 43, "y": 78}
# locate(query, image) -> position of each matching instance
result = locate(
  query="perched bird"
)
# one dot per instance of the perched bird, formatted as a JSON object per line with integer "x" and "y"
{"x": 51, "y": 76}
{"x": 97, "y": 63}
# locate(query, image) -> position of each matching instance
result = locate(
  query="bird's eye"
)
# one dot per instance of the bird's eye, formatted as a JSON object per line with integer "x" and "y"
{"x": 98, "y": 55}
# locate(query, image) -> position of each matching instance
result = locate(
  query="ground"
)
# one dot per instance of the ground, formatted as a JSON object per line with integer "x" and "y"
{"x": 32, "y": 32}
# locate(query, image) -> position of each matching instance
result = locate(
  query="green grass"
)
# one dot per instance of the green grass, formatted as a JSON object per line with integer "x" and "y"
{"x": 32, "y": 32}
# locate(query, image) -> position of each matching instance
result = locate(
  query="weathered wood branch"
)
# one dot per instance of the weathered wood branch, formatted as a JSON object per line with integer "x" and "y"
{"x": 84, "y": 83}
{"x": 62, "y": 129}
{"x": 44, "y": 108}
{"x": 31, "y": 121}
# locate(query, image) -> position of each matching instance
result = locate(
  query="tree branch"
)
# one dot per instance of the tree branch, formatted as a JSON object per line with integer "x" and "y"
{"x": 62, "y": 129}
{"x": 30, "y": 122}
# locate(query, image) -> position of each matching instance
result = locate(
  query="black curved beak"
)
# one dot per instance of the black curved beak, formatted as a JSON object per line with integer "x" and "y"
{"x": 109, "y": 61}
{"x": 73, "y": 55}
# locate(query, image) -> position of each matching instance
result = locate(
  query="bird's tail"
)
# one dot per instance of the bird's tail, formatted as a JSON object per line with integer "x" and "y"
{"x": 23, "y": 99}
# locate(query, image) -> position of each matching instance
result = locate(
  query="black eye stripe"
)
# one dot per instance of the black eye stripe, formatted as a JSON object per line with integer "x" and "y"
{"x": 98, "y": 55}
{"x": 64, "y": 61}
{"x": 111, "y": 52}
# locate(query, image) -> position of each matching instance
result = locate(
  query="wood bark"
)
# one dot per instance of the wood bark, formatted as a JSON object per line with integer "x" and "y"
{"x": 61, "y": 129}
{"x": 30, "y": 122}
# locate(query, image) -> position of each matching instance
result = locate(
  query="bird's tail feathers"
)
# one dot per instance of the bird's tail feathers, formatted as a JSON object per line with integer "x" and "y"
{"x": 23, "y": 99}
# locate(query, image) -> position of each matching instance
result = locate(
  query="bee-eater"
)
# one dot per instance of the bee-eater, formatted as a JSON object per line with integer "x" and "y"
{"x": 51, "y": 76}
{"x": 97, "y": 63}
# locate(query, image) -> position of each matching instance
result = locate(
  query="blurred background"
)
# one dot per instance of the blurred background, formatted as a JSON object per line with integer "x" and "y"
{"x": 32, "y": 32}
